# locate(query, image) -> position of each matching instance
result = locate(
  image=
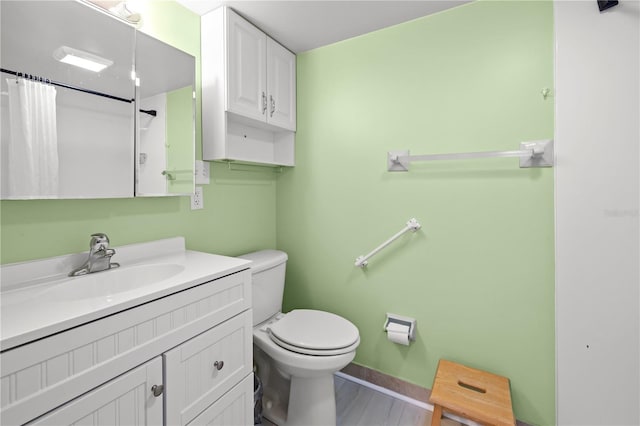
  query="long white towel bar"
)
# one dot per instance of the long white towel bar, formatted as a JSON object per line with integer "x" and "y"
{"x": 532, "y": 154}
{"x": 412, "y": 225}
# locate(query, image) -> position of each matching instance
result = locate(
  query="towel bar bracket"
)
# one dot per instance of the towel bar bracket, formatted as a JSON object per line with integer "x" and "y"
{"x": 398, "y": 161}
{"x": 542, "y": 154}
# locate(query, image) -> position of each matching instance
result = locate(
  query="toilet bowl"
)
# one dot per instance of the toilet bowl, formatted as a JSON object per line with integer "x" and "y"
{"x": 296, "y": 353}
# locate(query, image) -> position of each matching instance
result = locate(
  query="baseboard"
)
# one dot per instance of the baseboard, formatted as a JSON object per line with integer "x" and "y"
{"x": 409, "y": 392}
{"x": 424, "y": 405}
{"x": 386, "y": 381}
{"x": 396, "y": 395}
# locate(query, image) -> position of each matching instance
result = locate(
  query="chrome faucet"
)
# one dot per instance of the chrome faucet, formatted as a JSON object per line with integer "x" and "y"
{"x": 99, "y": 256}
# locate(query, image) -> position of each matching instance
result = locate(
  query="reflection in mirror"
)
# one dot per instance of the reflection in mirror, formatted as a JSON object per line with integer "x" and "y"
{"x": 166, "y": 119}
{"x": 67, "y": 131}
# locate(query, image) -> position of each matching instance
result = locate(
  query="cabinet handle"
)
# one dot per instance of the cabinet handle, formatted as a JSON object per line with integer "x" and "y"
{"x": 273, "y": 104}
{"x": 157, "y": 390}
{"x": 264, "y": 102}
{"x": 218, "y": 365}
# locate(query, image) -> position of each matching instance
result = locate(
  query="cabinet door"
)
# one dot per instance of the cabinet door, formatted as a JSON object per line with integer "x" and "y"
{"x": 201, "y": 370}
{"x": 246, "y": 73}
{"x": 281, "y": 86}
{"x": 125, "y": 400}
{"x": 235, "y": 408}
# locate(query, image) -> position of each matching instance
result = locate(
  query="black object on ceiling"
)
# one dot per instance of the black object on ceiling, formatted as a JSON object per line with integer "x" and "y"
{"x": 606, "y": 4}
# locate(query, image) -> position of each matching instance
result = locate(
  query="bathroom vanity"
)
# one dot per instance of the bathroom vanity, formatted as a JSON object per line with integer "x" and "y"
{"x": 164, "y": 339}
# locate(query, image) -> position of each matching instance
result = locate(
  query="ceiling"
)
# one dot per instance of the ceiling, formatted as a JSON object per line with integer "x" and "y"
{"x": 306, "y": 24}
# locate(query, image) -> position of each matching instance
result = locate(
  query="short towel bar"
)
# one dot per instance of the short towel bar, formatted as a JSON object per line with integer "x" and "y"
{"x": 412, "y": 225}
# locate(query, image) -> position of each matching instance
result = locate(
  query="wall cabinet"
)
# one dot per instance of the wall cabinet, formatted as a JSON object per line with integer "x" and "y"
{"x": 261, "y": 79}
{"x": 281, "y": 86}
{"x": 246, "y": 80}
{"x": 196, "y": 344}
{"x": 248, "y": 92}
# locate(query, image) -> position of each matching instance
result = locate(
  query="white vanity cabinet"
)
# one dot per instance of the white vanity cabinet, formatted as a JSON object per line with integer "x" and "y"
{"x": 231, "y": 409}
{"x": 248, "y": 92}
{"x": 204, "y": 368}
{"x": 196, "y": 343}
{"x": 125, "y": 400}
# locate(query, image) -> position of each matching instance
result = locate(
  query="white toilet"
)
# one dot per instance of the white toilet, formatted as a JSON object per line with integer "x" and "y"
{"x": 295, "y": 353}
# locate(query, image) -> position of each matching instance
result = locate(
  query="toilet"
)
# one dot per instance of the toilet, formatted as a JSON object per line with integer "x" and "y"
{"x": 295, "y": 353}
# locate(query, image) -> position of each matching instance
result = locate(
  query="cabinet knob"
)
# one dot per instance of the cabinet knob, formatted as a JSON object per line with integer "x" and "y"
{"x": 218, "y": 365}
{"x": 157, "y": 390}
{"x": 264, "y": 102}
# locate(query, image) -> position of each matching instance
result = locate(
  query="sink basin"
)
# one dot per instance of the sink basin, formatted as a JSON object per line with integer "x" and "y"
{"x": 109, "y": 283}
{"x": 38, "y": 299}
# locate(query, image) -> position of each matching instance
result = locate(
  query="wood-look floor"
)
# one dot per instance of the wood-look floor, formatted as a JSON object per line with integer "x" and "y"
{"x": 359, "y": 405}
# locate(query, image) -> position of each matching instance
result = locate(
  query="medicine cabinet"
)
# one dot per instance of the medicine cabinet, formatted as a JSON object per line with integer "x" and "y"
{"x": 70, "y": 107}
{"x": 165, "y": 133}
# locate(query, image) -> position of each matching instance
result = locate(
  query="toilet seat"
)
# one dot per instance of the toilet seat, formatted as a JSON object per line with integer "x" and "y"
{"x": 315, "y": 352}
{"x": 314, "y": 332}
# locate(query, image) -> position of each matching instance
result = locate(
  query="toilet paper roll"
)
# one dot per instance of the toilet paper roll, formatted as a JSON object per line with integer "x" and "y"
{"x": 398, "y": 337}
{"x": 398, "y": 333}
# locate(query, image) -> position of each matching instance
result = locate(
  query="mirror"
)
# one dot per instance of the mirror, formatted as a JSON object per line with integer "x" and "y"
{"x": 166, "y": 116}
{"x": 68, "y": 132}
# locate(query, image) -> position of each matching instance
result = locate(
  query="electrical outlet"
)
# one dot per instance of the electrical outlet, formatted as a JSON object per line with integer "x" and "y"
{"x": 197, "y": 199}
{"x": 201, "y": 172}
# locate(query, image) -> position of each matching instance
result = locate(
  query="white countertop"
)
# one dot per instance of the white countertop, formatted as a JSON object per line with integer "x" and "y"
{"x": 38, "y": 299}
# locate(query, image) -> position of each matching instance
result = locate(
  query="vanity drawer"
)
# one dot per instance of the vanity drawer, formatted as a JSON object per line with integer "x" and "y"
{"x": 202, "y": 369}
{"x": 42, "y": 375}
{"x": 235, "y": 408}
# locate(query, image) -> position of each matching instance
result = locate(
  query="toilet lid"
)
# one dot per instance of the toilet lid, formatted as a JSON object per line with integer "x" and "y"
{"x": 314, "y": 330}
{"x": 315, "y": 352}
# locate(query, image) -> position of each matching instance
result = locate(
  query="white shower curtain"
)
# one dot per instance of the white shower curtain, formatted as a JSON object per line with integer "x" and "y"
{"x": 33, "y": 143}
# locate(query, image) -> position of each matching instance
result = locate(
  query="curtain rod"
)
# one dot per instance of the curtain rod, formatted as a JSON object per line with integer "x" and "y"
{"x": 79, "y": 89}
{"x": 66, "y": 86}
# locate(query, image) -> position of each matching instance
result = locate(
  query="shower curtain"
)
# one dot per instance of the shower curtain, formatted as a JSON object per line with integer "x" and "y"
{"x": 33, "y": 143}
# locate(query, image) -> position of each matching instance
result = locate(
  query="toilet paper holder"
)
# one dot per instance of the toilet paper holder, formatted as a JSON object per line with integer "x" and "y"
{"x": 394, "y": 319}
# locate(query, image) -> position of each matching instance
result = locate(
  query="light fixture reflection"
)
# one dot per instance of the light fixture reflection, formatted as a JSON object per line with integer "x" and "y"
{"x": 79, "y": 58}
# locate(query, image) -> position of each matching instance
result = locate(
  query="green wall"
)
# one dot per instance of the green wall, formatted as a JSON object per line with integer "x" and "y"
{"x": 240, "y": 207}
{"x": 479, "y": 275}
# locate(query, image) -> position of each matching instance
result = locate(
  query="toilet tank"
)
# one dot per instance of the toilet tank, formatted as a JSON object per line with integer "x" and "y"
{"x": 267, "y": 273}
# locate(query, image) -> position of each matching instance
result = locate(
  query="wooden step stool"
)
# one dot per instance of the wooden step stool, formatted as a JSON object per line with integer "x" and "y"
{"x": 474, "y": 394}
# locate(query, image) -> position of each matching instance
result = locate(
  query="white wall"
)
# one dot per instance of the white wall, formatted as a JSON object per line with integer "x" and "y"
{"x": 153, "y": 144}
{"x": 597, "y": 224}
{"x": 95, "y": 146}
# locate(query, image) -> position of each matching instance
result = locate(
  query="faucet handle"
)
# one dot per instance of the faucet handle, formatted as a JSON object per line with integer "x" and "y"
{"x": 99, "y": 241}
